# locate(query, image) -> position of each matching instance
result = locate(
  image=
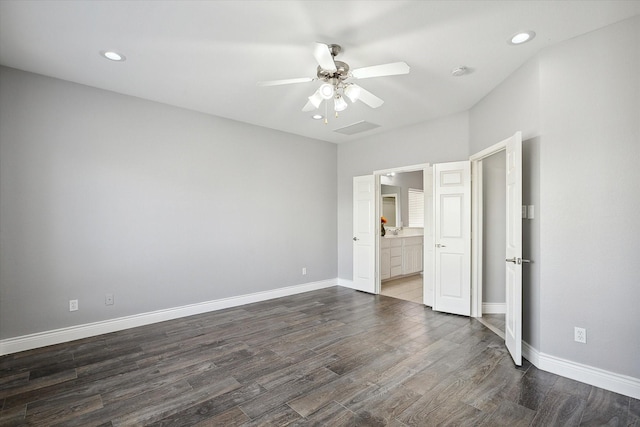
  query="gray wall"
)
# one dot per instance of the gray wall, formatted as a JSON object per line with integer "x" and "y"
{"x": 161, "y": 206}
{"x": 494, "y": 182}
{"x": 440, "y": 140}
{"x": 590, "y": 198}
{"x": 578, "y": 104}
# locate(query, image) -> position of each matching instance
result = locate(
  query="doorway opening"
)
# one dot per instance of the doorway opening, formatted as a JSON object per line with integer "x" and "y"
{"x": 512, "y": 147}
{"x": 492, "y": 202}
{"x": 400, "y": 250}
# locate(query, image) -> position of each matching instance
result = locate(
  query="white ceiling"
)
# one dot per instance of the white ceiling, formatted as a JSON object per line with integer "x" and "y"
{"x": 208, "y": 55}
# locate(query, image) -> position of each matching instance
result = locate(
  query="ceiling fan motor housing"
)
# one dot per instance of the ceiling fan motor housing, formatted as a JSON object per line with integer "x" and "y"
{"x": 341, "y": 73}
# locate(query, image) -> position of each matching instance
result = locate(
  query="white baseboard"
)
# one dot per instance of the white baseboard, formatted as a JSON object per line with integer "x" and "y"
{"x": 57, "y": 336}
{"x": 494, "y": 307}
{"x": 531, "y": 354}
{"x": 623, "y": 384}
{"x": 346, "y": 283}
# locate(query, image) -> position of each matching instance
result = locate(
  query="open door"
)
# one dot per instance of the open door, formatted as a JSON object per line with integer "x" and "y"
{"x": 452, "y": 237}
{"x": 364, "y": 237}
{"x": 513, "y": 318}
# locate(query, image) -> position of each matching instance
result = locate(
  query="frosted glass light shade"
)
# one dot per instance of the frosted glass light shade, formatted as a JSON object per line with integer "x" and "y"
{"x": 316, "y": 99}
{"x": 326, "y": 91}
{"x": 339, "y": 104}
{"x": 352, "y": 92}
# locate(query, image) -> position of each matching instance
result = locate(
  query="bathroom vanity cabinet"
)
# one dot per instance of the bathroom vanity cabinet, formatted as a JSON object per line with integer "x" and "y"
{"x": 400, "y": 256}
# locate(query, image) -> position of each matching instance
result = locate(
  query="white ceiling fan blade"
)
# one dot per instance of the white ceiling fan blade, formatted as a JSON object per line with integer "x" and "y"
{"x": 285, "y": 81}
{"x": 323, "y": 55}
{"x": 368, "y": 98}
{"x": 391, "y": 69}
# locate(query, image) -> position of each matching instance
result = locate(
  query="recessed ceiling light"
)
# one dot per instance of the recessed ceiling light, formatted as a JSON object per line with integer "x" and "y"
{"x": 317, "y": 117}
{"x": 522, "y": 37}
{"x": 113, "y": 56}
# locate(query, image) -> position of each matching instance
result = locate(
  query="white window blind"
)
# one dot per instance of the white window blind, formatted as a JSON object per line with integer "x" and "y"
{"x": 416, "y": 208}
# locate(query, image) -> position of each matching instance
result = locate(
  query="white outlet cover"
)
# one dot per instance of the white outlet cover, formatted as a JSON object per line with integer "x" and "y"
{"x": 580, "y": 335}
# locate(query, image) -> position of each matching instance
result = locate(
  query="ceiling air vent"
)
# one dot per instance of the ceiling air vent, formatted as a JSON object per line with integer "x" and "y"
{"x": 357, "y": 127}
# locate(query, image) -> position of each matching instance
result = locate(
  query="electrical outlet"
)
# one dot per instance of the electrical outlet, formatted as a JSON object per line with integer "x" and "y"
{"x": 580, "y": 335}
{"x": 304, "y": 271}
{"x": 108, "y": 299}
{"x": 73, "y": 304}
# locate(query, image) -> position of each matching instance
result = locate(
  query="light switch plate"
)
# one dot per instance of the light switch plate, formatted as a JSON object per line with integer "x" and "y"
{"x": 530, "y": 214}
{"x": 524, "y": 211}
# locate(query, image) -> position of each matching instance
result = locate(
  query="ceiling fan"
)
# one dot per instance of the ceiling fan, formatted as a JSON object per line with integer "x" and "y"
{"x": 334, "y": 74}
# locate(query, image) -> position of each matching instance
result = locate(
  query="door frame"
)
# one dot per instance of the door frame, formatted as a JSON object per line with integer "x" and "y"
{"x": 377, "y": 174}
{"x": 476, "y": 220}
{"x": 477, "y": 194}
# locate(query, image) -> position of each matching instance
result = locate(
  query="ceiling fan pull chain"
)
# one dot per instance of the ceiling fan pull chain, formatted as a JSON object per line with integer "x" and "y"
{"x": 326, "y": 120}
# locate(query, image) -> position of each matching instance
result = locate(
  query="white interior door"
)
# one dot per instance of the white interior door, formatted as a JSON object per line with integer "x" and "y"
{"x": 513, "y": 319}
{"x": 364, "y": 229}
{"x": 427, "y": 275}
{"x": 452, "y": 237}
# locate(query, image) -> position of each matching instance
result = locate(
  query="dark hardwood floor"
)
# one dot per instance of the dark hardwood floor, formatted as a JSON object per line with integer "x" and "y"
{"x": 331, "y": 357}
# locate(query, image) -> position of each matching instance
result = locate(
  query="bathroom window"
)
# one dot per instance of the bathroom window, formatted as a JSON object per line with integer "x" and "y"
{"x": 416, "y": 208}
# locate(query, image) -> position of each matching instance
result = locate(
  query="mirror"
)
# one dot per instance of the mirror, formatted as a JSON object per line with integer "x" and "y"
{"x": 389, "y": 209}
{"x": 399, "y": 185}
{"x": 391, "y": 205}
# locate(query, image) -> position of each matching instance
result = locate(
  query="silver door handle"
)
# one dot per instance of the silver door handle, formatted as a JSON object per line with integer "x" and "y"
{"x": 355, "y": 238}
{"x": 438, "y": 245}
{"x": 518, "y": 260}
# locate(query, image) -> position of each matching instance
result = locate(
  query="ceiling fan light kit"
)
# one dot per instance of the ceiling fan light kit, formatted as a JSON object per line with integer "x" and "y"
{"x": 334, "y": 73}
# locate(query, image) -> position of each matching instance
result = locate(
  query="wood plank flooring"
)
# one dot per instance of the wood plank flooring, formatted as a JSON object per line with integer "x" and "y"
{"x": 332, "y": 357}
{"x": 495, "y": 322}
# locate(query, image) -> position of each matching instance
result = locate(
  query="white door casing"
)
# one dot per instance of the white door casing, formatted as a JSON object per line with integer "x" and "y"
{"x": 428, "y": 266}
{"x": 513, "y": 318}
{"x": 452, "y": 237}
{"x": 364, "y": 233}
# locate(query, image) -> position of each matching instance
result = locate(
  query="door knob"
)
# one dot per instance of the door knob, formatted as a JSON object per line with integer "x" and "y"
{"x": 355, "y": 238}
{"x": 438, "y": 245}
{"x": 518, "y": 260}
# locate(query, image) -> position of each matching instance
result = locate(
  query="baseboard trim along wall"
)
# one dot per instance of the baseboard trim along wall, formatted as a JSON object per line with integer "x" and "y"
{"x": 57, "y": 336}
{"x": 346, "y": 283}
{"x": 623, "y": 384}
{"x": 494, "y": 307}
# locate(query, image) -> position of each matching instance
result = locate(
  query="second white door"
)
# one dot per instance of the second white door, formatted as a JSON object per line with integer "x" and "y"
{"x": 452, "y": 237}
{"x": 365, "y": 228}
